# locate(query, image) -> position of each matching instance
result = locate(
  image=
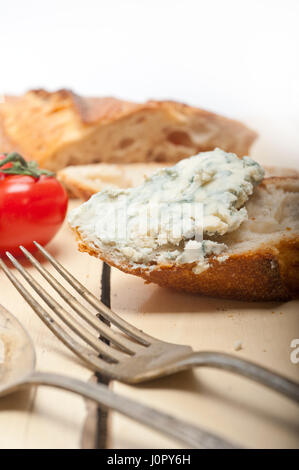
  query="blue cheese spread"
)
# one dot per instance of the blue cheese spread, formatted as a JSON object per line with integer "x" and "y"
{"x": 170, "y": 218}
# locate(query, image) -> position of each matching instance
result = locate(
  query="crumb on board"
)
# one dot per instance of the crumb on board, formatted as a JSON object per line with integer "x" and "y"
{"x": 238, "y": 345}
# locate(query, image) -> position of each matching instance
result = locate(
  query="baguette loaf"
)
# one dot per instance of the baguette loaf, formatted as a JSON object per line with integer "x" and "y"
{"x": 261, "y": 262}
{"x": 61, "y": 128}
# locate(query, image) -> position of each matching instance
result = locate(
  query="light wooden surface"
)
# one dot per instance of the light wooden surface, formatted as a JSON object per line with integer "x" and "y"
{"x": 231, "y": 406}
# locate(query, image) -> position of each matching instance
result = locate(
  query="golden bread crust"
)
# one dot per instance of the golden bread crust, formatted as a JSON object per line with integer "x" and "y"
{"x": 271, "y": 273}
{"x": 62, "y": 128}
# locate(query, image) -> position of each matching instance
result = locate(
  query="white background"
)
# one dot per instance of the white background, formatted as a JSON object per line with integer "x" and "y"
{"x": 236, "y": 57}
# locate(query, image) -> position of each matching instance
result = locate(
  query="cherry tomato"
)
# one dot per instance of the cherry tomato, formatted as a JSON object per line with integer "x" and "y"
{"x": 30, "y": 209}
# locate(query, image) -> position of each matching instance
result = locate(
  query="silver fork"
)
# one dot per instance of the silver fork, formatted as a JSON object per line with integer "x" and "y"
{"x": 129, "y": 354}
{"x": 18, "y": 370}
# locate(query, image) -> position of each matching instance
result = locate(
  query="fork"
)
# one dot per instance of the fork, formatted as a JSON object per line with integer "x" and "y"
{"x": 17, "y": 369}
{"x": 127, "y": 354}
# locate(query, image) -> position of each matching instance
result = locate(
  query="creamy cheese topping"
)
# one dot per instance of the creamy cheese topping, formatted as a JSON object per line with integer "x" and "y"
{"x": 171, "y": 216}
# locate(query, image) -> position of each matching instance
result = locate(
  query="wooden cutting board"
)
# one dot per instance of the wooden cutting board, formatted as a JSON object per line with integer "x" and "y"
{"x": 229, "y": 405}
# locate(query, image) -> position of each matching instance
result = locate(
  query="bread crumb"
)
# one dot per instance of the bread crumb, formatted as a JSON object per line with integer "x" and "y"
{"x": 238, "y": 345}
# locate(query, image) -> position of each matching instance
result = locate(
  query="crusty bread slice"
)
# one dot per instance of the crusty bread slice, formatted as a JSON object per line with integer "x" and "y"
{"x": 262, "y": 258}
{"x": 83, "y": 181}
{"x": 60, "y": 129}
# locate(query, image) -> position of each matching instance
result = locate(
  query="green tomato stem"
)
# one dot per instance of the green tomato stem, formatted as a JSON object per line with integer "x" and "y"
{"x": 21, "y": 167}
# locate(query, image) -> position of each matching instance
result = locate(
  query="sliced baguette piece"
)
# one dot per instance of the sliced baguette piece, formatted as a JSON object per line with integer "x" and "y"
{"x": 82, "y": 181}
{"x": 59, "y": 129}
{"x": 262, "y": 259}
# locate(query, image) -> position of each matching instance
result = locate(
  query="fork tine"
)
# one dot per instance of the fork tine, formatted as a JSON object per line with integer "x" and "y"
{"x": 107, "y": 313}
{"x": 123, "y": 343}
{"x": 87, "y": 355}
{"x": 81, "y": 331}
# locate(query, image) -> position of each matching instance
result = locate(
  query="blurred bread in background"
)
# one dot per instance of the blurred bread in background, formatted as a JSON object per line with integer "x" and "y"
{"x": 58, "y": 129}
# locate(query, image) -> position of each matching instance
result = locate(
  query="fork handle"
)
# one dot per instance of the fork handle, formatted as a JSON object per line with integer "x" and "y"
{"x": 191, "y": 436}
{"x": 245, "y": 368}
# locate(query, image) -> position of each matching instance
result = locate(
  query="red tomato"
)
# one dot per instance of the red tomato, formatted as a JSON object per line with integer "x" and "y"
{"x": 30, "y": 209}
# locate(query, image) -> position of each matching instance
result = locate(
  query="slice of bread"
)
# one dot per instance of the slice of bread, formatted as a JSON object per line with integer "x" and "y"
{"x": 262, "y": 257}
{"x": 83, "y": 181}
{"x": 61, "y": 128}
